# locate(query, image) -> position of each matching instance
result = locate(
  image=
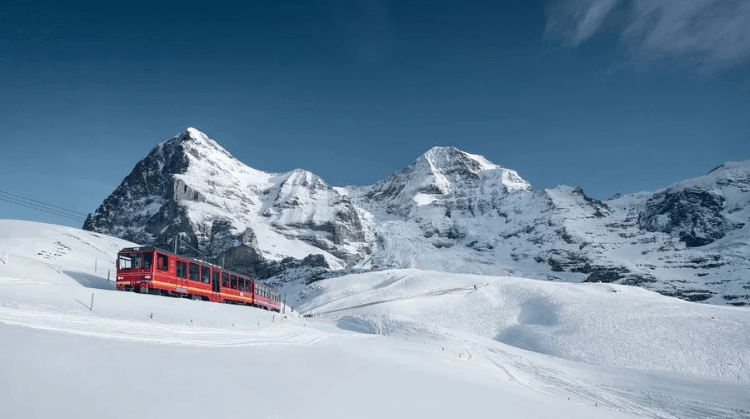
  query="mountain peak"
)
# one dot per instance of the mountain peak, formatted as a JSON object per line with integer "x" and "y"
{"x": 739, "y": 164}
{"x": 450, "y": 158}
{"x": 196, "y": 134}
{"x": 450, "y": 161}
{"x": 196, "y": 137}
{"x": 195, "y": 143}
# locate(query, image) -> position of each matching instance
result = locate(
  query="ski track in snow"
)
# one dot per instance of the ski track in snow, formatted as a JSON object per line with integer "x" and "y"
{"x": 151, "y": 332}
{"x": 637, "y": 400}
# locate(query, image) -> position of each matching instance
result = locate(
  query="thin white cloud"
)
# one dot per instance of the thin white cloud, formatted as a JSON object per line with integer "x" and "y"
{"x": 709, "y": 35}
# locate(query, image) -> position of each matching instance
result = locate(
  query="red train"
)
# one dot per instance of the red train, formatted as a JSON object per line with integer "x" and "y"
{"x": 155, "y": 271}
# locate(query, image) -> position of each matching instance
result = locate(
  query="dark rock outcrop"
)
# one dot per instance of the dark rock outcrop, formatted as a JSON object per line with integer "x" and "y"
{"x": 692, "y": 215}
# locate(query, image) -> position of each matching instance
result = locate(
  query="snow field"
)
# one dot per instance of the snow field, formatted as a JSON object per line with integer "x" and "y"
{"x": 513, "y": 347}
{"x": 601, "y": 324}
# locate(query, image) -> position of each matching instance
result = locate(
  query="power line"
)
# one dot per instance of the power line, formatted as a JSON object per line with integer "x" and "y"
{"x": 53, "y": 207}
{"x": 177, "y": 237}
{"x": 50, "y": 209}
{"x": 39, "y": 208}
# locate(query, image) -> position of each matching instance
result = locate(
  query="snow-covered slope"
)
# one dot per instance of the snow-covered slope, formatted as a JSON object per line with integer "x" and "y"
{"x": 32, "y": 252}
{"x": 514, "y": 347}
{"x": 449, "y": 211}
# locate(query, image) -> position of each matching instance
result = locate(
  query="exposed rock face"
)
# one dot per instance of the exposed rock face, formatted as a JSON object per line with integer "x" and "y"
{"x": 449, "y": 211}
{"x": 148, "y": 187}
{"x": 692, "y": 215}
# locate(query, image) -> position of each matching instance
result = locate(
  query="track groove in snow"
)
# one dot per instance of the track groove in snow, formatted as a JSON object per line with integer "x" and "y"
{"x": 152, "y": 332}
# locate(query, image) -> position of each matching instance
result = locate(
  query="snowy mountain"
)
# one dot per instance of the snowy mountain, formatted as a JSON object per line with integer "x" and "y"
{"x": 223, "y": 210}
{"x": 448, "y": 211}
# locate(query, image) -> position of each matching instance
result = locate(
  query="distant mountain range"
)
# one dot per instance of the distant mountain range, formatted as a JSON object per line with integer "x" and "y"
{"x": 448, "y": 211}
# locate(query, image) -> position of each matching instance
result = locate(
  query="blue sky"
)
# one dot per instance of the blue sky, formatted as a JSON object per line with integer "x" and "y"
{"x": 613, "y": 96}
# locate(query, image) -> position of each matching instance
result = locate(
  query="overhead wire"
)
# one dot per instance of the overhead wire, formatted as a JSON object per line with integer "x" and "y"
{"x": 41, "y": 206}
{"x": 182, "y": 241}
{"x": 43, "y": 203}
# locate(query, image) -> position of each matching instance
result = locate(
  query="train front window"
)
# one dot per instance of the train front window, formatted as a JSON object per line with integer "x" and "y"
{"x": 134, "y": 261}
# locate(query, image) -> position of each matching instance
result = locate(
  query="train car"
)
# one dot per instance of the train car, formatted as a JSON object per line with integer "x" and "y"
{"x": 155, "y": 271}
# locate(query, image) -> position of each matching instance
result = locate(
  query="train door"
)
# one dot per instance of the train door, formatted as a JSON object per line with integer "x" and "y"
{"x": 252, "y": 290}
{"x": 182, "y": 273}
{"x": 215, "y": 282}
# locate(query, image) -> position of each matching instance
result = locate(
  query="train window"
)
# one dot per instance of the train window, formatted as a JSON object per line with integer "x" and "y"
{"x": 205, "y": 274}
{"x": 241, "y": 282}
{"x": 225, "y": 279}
{"x": 181, "y": 269}
{"x": 234, "y": 282}
{"x": 134, "y": 261}
{"x": 162, "y": 262}
{"x": 248, "y": 285}
{"x": 125, "y": 261}
{"x": 216, "y": 277}
{"x": 194, "y": 272}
